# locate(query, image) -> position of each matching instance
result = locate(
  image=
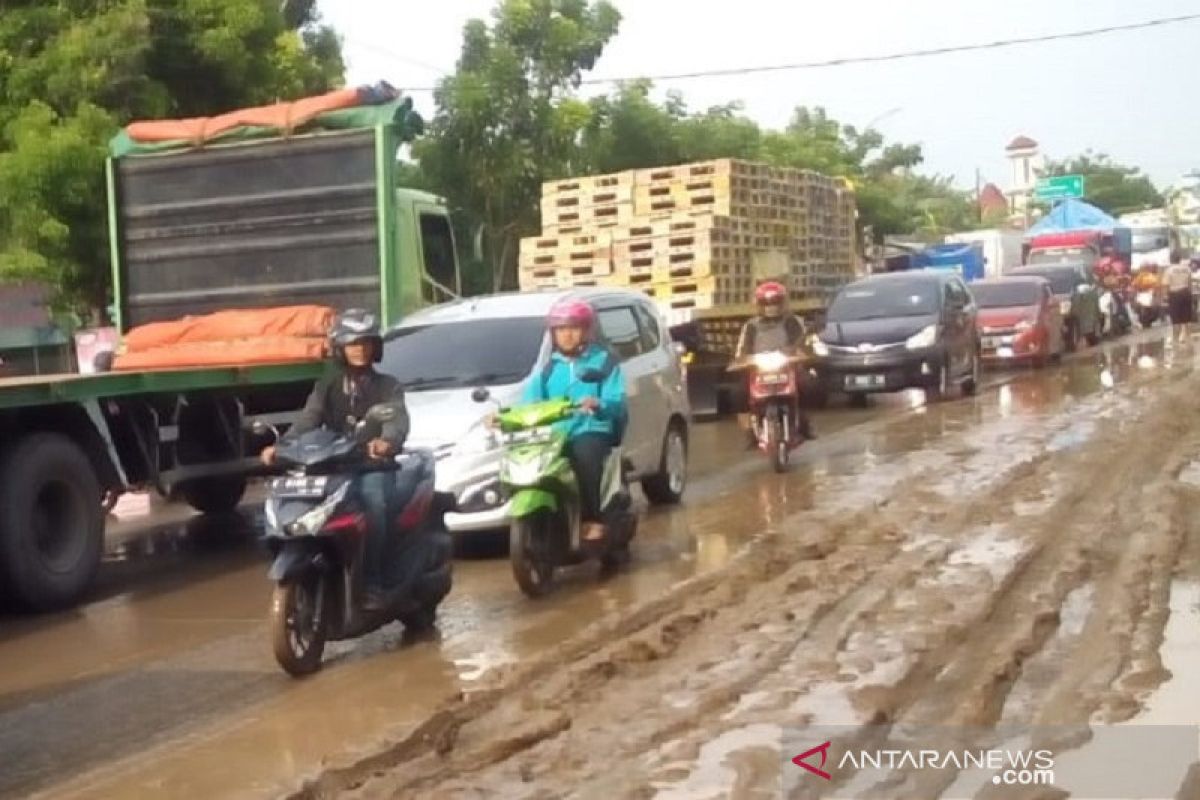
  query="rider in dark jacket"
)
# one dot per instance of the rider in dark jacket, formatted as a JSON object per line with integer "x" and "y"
{"x": 775, "y": 328}
{"x": 338, "y": 403}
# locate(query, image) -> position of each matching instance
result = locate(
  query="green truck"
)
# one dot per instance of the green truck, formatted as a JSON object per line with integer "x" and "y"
{"x": 257, "y": 220}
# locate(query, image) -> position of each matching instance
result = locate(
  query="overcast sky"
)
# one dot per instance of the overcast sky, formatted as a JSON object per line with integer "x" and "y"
{"x": 1133, "y": 95}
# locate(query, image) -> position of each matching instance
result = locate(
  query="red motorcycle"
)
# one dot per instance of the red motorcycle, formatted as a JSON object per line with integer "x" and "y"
{"x": 774, "y": 394}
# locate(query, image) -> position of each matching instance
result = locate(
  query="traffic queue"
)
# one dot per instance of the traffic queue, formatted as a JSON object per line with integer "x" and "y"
{"x": 535, "y": 413}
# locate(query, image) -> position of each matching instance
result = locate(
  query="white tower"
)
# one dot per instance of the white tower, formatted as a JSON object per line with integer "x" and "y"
{"x": 1027, "y": 166}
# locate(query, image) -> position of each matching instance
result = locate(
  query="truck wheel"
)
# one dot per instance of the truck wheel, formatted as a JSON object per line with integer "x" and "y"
{"x": 215, "y": 495}
{"x": 666, "y": 487}
{"x": 51, "y": 522}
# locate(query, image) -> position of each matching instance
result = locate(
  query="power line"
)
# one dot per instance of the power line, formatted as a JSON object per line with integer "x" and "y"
{"x": 900, "y": 56}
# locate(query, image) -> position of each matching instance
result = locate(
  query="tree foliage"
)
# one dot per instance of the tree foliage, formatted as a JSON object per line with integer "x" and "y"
{"x": 73, "y": 71}
{"x": 508, "y": 118}
{"x": 1115, "y": 188}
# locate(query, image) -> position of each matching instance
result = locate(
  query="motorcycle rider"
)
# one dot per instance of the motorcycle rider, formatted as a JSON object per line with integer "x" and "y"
{"x": 338, "y": 403}
{"x": 592, "y": 434}
{"x": 775, "y": 328}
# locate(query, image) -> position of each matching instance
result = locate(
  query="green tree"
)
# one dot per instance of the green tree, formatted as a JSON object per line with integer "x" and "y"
{"x": 508, "y": 119}
{"x": 1115, "y": 188}
{"x": 73, "y": 71}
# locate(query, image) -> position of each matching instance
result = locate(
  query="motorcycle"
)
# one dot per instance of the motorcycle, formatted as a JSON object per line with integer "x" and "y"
{"x": 1148, "y": 308}
{"x": 317, "y": 531}
{"x": 1115, "y": 312}
{"x": 774, "y": 398}
{"x": 535, "y": 474}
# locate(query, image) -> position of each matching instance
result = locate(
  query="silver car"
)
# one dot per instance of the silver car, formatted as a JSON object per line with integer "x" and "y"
{"x": 441, "y": 354}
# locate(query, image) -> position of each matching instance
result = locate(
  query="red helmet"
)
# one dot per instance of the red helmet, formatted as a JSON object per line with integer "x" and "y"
{"x": 770, "y": 293}
{"x": 571, "y": 313}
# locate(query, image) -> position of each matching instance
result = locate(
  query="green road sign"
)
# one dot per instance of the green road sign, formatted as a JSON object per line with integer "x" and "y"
{"x": 1059, "y": 188}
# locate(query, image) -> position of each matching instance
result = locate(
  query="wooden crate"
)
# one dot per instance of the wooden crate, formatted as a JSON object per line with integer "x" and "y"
{"x": 617, "y": 181}
{"x": 566, "y": 274}
{"x": 703, "y": 293}
{"x": 567, "y": 250}
{"x": 583, "y": 199}
{"x": 586, "y": 219}
{"x": 701, "y": 169}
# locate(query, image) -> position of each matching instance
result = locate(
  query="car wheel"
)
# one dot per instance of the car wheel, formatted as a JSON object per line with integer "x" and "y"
{"x": 971, "y": 385}
{"x": 942, "y": 389}
{"x": 667, "y": 487}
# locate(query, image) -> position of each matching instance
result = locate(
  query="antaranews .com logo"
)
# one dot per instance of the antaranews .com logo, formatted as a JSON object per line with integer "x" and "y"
{"x": 957, "y": 763}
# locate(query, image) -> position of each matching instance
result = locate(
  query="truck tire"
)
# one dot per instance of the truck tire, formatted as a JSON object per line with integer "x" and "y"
{"x": 219, "y": 495}
{"x": 51, "y": 522}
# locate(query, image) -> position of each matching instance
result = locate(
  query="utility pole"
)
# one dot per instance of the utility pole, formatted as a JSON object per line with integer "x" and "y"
{"x": 978, "y": 197}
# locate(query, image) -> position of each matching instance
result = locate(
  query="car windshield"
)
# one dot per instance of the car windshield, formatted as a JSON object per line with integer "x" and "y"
{"x": 481, "y": 352}
{"x": 884, "y": 299}
{"x": 1062, "y": 280}
{"x": 1147, "y": 240}
{"x": 1006, "y": 294}
{"x": 1061, "y": 255}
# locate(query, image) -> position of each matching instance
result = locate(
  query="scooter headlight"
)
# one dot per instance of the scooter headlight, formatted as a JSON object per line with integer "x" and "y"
{"x": 770, "y": 362}
{"x": 819, "y": 348}
{"x": 310, "y": 522}
{"x": 529, "y": 470}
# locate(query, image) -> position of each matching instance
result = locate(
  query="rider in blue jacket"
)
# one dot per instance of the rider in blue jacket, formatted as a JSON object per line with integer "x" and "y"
{"x": 593, "y": 433}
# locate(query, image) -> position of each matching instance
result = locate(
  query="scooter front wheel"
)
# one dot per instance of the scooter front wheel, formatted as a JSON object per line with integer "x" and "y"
{"x": 299, "y": 624}
{"x": 532, "y": 566}
{"x": 777, "y": 444}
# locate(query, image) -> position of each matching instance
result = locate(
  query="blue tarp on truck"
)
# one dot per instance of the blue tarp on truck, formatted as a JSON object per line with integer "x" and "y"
{"x": 965, "y": 259}
{"x": 1073, "y": 215}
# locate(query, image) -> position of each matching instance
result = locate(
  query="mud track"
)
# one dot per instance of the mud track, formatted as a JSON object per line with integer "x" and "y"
{"x": 1018, "y": 572}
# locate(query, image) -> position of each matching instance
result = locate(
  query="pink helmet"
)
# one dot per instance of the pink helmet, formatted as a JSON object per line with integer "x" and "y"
{"x": 571, "y": 313}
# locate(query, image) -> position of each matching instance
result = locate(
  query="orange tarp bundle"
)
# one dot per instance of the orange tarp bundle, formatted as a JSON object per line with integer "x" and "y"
{"x": 286, "y": 322}
{"x": 245, "y": 352}
{"x": 285, "y": 116}
{"x": 229, "y": 338}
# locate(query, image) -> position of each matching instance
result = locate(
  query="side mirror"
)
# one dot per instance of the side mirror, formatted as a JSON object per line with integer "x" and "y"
{"x": 591, "y": 376}
{"x": 481, "y": 395}
{"x": 262, "y": 429}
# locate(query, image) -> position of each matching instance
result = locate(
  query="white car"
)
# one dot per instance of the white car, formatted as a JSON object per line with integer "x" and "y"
{"x": 443, "y": 353}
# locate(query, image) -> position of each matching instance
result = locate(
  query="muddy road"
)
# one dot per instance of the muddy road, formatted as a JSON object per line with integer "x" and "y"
{"x": 1026, "y": 556}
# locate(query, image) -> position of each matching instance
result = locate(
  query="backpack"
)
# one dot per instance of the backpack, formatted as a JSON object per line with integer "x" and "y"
{"x": 606, "y": 369}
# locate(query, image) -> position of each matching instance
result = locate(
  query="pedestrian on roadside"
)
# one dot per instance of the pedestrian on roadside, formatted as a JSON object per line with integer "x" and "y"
{"x": 1180, "y": 303}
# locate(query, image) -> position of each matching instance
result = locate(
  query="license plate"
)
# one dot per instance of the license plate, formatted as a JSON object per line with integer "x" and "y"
{"x": 1005, "y": 352}
{"x": 299, "y": 487}
{"x": 865, "y": 381}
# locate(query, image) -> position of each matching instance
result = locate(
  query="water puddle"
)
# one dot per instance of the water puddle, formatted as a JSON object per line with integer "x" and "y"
{"x": 714, "y": 774}
{"x": 1040, "y": 671}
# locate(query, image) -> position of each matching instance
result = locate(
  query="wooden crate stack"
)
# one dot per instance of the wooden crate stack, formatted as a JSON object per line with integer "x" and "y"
{"x": 698, "y": 235}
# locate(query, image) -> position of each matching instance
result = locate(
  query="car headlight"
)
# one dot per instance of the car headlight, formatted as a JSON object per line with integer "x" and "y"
{"x": 311, "y": 522}
{"x": 1024, "y": 325}
{"x": 926, "y": 338}
{"x": 819, "y": 348}
{"x": 770, "y": 362}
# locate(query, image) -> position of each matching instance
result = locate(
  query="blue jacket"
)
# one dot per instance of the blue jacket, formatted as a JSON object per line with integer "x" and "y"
{"x": 560, "y": 382}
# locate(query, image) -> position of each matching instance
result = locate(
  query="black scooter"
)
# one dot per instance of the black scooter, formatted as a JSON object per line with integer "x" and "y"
{"x": 317, "y": 531}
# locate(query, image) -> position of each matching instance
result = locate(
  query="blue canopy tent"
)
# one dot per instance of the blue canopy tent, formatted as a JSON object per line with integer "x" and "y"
{"x": 1073, "y": 215}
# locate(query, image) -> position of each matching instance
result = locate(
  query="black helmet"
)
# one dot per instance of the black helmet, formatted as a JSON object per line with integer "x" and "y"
{"x": 355, "y": 325}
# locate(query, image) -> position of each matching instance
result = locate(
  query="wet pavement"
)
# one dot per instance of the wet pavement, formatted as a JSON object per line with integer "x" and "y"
{"x": 164, "y": 686}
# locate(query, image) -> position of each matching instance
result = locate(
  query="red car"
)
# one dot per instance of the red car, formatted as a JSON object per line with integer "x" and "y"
{"x": 1019, "y": 320}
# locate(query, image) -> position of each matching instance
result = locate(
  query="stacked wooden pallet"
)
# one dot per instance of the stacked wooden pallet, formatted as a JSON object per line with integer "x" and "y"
{"x": 696, "y": 235}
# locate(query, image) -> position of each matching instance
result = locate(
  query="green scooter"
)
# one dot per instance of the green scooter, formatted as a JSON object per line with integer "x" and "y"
{"x": 535, "y": 474}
